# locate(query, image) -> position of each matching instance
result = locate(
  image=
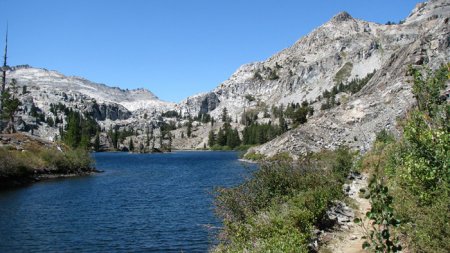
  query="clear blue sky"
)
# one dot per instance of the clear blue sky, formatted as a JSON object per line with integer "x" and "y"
{"x": 175, "y": 48}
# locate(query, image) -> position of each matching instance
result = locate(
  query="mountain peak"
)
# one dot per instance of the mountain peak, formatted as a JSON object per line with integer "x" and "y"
{"x": 342, "y": 16}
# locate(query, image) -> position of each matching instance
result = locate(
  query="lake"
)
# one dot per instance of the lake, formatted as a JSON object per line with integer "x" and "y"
{"x": 141, "y": 203}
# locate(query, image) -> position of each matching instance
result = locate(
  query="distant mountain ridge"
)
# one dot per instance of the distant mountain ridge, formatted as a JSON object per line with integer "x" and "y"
{"x": 132, "y": 100}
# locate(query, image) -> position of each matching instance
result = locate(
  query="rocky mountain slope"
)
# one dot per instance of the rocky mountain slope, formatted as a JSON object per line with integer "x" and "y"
{"x": 341, "y": 50}
{"x": 108, "y": 105}
{"x": 421, "y": 39}
{"x": 338, "y": 51}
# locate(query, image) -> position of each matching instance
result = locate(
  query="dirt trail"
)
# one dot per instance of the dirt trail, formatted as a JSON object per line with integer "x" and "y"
{"x": 349, "y": 239}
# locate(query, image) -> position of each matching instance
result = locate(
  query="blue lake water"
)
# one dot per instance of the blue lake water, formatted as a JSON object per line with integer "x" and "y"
{"x": 141, "y": 203}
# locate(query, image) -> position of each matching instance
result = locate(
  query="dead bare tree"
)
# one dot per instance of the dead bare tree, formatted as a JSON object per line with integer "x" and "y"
{"x": 4, "y": 69}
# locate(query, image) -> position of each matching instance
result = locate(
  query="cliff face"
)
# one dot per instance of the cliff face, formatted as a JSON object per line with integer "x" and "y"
{"x": 341, "y": 50}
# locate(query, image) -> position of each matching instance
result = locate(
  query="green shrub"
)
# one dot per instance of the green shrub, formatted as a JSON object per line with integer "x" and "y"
{"x": 384, "y": 137}
{"x": 278, "y": 207}
{"x": 416, "y": 167}
{"x": 283, "y": 157}
{"x": 14, "y": 164}
{"x": 24, "y": 163}
{"x": 253, "y": 156}
{"x": 217, "y": 147}
{"x": 243, "y": 147}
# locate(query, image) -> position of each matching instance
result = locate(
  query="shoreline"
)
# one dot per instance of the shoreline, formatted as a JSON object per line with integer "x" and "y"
{"x": 165, "y": 152}
{"x": 8, "y": 183}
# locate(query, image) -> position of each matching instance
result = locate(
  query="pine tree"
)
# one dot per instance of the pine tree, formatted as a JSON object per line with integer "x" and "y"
{"x": 153, "y": 143}
{"x": 189, "y": 128}
{"x": 10, "y": 106}
{"x": 261, "y": 138}
{"x": 115, "y": 138}
{"x": 230, "y": 139}
{"x": 299, "y": 116}
{"x": 147, "y": 137}
{"x": 131, "y": 145}
{"x": 211, "y": 138}
{"x": 224, "y": 115}
{"x": 97, "y": 142}
{"x": 221, "y": 138}
{"x": 246, "y": 136}
{"x": 233, "y": 139}
{"x": 237, "y": 139}
{"x": 72, "y": 136}
{"x": 3, "y": 90}
{"x": 169, "y": 136}
{"x": 283, "y": 124}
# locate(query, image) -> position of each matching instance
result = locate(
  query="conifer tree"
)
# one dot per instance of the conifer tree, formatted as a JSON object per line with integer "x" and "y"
{"x": 115, "y": 138}
{"x": 211, "y": 138}
{"x": 85, "y": 139}
{"x": 3, "y": 88}
{"x": 50, "y": 122}
{"x": 147, "y": 137}
{"x": 224, "y": 115}
{"x": 237, "y": 139}
{"x": 169, "y": 136}
{"x": 10, "y": 106}
{"x": 153, "y": 143}
{"x": 97, "y": 142}
{"x": 233, "y": 139}
{"x": 131, "y": 145}
{"x": 221, "y": 138}
{"x": 189, "y": 128}
{"x": 72, "y": 136}
{"x": 282, "y": 123}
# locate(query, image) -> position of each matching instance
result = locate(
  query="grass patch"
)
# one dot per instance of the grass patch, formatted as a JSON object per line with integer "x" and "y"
{"x": 344, "y": 73}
